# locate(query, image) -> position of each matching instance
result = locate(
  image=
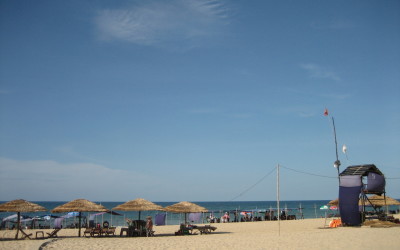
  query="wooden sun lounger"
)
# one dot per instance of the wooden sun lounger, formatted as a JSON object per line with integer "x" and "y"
{"x": 185, "y": 230}
{"x": 88, "y": 231}
{"x": 96, "y": 231}
{"x": 99, "y": 231}
{"x": 54, "y": 233}
{"x": 205, "y": 229}
{"x": 25, "y": 235}
{"x": 109, "y": 231}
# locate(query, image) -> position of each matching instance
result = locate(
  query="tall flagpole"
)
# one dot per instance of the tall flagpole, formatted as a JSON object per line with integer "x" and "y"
{"x": 337, "y": 163}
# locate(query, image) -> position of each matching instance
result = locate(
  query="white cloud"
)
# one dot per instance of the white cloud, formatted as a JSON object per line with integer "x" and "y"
{"x": 51, "y": 180}
{"x": 73, "y": 154}
{"x": 307, "y": 93}
{"x": 46, "y": 180}
{"x": 317, "y": 71}
{"x": 161, "y": 23}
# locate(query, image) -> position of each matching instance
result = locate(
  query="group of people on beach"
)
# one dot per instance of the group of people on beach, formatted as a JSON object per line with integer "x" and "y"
{"x": 223, "y": 219}
{"x": 142, "y": 228}
{"x": 249, "y": 216}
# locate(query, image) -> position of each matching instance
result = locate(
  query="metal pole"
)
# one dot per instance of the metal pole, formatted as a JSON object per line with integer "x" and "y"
{"x": 387, "y": 207}
{"x": 18, "y": 224}
{"x": 315, "y": 210}
{"x": 270, "y": 213}
{"x": 277, "y": 200}
{"x": 80, "y": 216}
{"x": 337, "y": 162}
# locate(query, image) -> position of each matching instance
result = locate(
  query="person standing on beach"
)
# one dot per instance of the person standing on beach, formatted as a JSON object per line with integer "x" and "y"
{"x": 149, "y": 226}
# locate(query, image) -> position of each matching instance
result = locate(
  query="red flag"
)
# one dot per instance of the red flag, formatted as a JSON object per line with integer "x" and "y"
{"x": 326, "y": 112}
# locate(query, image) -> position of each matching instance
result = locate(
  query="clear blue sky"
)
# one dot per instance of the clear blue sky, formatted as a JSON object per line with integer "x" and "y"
{"x": 195, "y": 100}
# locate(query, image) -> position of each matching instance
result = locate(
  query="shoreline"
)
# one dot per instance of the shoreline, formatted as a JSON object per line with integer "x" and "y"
{"x": 308, "y": 210}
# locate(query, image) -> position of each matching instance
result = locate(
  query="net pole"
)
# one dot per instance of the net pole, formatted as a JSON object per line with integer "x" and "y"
{"x": 278, "y": 200}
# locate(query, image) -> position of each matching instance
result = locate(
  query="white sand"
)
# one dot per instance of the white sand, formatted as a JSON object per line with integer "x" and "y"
{"x": 300, "y": 234}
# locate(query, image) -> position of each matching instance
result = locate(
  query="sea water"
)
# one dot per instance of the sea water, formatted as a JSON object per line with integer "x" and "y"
{"x": 305, "y": 209}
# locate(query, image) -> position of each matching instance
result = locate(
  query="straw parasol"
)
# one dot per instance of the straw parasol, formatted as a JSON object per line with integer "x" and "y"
{"x": 79, "y": 205}
{"x": 379, "y": 201}
{"x": 334, "y": 202}
{"x": 20, "y": 206}
{"x": 138, "y": 205}
{"x": 185, "y": 207}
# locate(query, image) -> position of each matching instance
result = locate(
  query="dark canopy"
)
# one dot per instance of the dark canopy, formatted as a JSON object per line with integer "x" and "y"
{"x": 362, "y": 170}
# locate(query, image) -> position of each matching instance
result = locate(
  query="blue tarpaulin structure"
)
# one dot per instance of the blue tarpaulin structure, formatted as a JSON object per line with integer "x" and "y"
{"x": 352, "y": 189}
{"x": 160, "y": 219}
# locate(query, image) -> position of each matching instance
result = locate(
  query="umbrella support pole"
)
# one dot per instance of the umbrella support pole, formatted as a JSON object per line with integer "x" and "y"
{"x": 18, "y": 225}
{"x": 80, "y": 217}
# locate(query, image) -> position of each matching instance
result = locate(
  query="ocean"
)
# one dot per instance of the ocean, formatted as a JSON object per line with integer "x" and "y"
{"x": 301, "y": 209}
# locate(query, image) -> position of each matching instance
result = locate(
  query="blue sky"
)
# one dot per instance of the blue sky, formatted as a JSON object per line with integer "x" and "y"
{"x": 195, "y": 100}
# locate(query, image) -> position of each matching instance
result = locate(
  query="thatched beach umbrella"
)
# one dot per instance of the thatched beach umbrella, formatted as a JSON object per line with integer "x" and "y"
{"x": 185, "y": 207}
{"x": 20, "y": 206}
{"x": 334, "y": 202}
{"x": 379, "y": 201}
{"x": 138, "y": 205}
{"x": 79, "y": 205}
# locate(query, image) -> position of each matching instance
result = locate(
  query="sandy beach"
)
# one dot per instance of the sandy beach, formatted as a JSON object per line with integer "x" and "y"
{"x": 296, "y": 234}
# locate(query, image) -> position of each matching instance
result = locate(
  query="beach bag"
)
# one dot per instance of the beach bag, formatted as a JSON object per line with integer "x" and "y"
{"x": 335, "y": 223}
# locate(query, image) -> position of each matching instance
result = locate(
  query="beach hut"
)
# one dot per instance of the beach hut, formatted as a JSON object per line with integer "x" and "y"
{"x": 21, "y": 206}
{"x": 79, "y": 205}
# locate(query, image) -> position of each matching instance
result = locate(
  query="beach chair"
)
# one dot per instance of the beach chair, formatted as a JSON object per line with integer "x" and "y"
{"x": 124, "y": 230}
{"x": 206, "y": 229}
{"x": 87, "y": 231}
{"x": 185, "y": 230}
{"x": 39, "y": 235}
{"x": 110, "y": 231}
{"x": 25, "y": 235}
{"x": 140, "y": 228}
{"x": 96, "y": 231}
{"x": 54, "y": 233}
